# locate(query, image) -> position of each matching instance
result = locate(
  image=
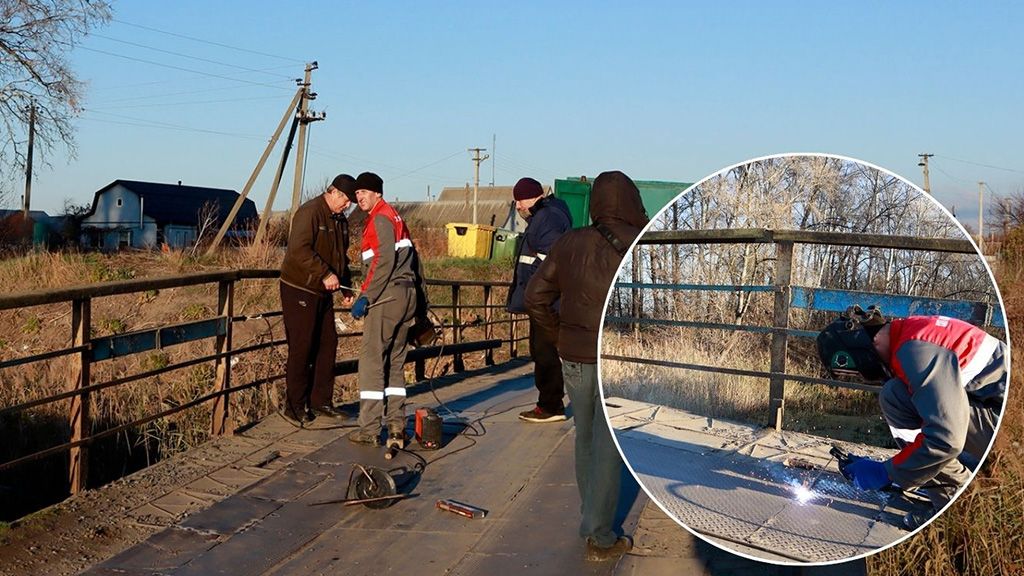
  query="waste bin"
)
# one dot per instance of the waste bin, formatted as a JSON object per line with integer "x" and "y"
{"x": 504, "y": 246}
{"x": 469, "y": 240}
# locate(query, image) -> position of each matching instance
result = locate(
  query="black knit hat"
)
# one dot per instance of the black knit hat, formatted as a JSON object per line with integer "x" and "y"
{"x": 370, "y": 181}
{"x": 346, "y": 185}
{"x": 527, "y": 188}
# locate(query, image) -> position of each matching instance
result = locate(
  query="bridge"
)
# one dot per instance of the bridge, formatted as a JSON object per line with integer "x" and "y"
{"x": 263, "y": 498}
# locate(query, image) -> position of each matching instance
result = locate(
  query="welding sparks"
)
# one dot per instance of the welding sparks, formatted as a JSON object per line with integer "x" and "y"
{"x": 802, "y": 493}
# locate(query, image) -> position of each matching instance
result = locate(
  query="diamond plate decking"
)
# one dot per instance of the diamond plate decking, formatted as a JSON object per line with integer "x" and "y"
{"x": 726, "y": 480}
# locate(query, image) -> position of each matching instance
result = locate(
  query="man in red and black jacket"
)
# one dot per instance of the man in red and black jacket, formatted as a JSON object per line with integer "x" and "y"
{"x": 942, "y": 401}
{"x": 388, "y": 302}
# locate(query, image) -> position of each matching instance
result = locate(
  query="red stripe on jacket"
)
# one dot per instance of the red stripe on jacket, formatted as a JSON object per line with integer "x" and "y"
{"x": 370, "y": 240}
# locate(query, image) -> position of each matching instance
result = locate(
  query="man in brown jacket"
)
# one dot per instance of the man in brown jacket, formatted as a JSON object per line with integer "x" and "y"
{"x": 579, "y": 270}
{"x": 315, "y": 266}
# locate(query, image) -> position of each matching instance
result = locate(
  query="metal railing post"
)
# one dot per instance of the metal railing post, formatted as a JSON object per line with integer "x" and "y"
{"x": 459, "y": 366}
{"x": 780, "y": 338}
{"x": 78, "y": 470}
{"x": 222, "y": 404}
{"x": 634, "y": 300}
{"x": 513, "y": 333}
{"x": 488, "y": 329}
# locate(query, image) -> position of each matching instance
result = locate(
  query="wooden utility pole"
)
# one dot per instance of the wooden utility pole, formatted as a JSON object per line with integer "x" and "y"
{"x": 268, "y": 208}
{"x": 304, "y": 117}
{"x": 28, "y": 160}
{"x": 477, "y": 159}
{"x": 924, "y": 167}
{"x": 981, "y": 214}
{"x": 256, "y": 172}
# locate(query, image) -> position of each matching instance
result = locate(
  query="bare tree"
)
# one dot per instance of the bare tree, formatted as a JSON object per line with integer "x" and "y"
{"x": 36, "y": 37}
{"x": 207, "y": 223}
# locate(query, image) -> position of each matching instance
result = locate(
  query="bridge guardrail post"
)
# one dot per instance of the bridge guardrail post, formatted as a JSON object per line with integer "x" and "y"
{"x": 78, "y": 469}
{"x": 488, "y": 329}
{"x": 780, "y": 338}
{"x": 222, "y": 345}
{"x": 459, "y": 365}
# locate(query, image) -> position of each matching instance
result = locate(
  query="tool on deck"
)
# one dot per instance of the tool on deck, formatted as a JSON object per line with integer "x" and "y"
{"x": 369, "y": 486}
{"x": 461, "y": 508}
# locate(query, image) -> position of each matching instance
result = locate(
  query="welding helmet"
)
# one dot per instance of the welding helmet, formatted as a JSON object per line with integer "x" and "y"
{"x": 846, "y": 346}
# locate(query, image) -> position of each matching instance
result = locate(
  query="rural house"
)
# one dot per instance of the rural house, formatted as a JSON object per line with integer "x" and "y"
{"x": 133, "y": 214}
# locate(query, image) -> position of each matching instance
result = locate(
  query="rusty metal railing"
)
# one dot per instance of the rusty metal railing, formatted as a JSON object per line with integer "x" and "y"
{"x": 85, "y": 351}
{"x": 787, "y": 296}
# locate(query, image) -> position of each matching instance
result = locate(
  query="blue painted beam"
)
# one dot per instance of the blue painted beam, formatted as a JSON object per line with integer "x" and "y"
{"x": 135, "y": 342}
{"x": 977, "y": 313}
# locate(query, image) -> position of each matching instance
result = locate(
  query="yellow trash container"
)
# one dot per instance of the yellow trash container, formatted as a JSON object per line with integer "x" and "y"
{"x": 469, "y": 240}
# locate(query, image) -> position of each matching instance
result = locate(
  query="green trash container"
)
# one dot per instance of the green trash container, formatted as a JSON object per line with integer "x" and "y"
{"x": 504, "y": 245}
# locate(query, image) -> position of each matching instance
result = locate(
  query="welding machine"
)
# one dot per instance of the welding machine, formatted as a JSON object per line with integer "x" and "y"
{"x": 428, "y": 428}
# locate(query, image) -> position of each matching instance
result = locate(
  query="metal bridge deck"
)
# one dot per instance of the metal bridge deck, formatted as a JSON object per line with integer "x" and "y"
{"x": 727, "y": 481}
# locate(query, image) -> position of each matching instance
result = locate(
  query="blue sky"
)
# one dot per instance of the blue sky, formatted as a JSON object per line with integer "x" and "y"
{"x": 660, "y": 90}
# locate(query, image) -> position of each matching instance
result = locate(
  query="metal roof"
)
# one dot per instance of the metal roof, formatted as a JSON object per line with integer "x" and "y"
{"x": 180, "y": 204}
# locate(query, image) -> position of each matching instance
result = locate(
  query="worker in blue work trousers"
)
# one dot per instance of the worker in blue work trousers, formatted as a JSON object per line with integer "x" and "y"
{"x": 547, "y": 219}
{"x": 945, "y": 383}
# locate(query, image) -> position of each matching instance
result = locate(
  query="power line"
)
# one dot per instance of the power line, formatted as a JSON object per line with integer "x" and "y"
{"x": 155, "y": 82}
{"x": 426, "y": 166}
{"x": 151, "y": 96}
{"x": 339, "y": 155}
{"x": 198, "y": 58}
{"x": 158, "y": 124}
{"x": 981, "y": 164}
{"x": 194, "y": 39}
{"x": 183, "y": 69}
{"x": 163, "y": 104}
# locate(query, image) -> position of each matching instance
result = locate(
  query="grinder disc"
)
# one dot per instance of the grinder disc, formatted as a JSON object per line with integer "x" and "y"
{"x": 378, "y": 484}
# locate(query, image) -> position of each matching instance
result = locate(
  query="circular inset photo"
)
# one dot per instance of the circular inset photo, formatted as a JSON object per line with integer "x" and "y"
{"x": 804, "y": 359}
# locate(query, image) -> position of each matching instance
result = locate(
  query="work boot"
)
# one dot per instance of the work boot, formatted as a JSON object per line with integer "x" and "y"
{"x": 596, "y": 553}
{"x": 539, "y": 414}
{"x": 917, "y": 518}
{"x": 360, "y": 436}
{"x": 329, "y": 411}
{"x": 290, "y": 418}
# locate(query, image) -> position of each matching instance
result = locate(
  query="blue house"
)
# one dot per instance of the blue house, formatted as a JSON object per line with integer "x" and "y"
{"x": 133, "y": 214}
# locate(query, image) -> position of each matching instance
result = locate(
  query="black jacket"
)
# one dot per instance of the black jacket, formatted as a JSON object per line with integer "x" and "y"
{"x": 550, "y": 219}
{"x": 581, "y": 267}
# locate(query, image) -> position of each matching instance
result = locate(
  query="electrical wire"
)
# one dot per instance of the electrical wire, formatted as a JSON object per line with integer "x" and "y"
{"x": 210, "y": 42}
{"x": 193, "y": 102}
{"x": 190, "y": 57}
{"x": 173, "y": 67}
{"x": 980, "y": 164}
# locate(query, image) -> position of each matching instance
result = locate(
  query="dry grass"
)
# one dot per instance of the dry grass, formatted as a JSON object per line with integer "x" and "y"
{"x": 837, "y": 413}
{"x": 982, "y": 533}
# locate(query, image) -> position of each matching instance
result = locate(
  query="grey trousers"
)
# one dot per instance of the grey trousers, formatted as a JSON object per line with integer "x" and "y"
{"x": 598, "y": 464}
{"x": 382, "y": 360}
{"x": 902, "y": 417}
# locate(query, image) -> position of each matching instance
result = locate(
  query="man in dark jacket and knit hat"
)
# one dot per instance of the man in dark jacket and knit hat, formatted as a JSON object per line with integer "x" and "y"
{"x": 578, "y": 271}
{"x": 548, "y": 218}
{"x": 314, "y": 267}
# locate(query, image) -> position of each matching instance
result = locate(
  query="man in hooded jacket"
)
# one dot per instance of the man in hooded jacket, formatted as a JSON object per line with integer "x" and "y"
{"x": 579, "y": 270}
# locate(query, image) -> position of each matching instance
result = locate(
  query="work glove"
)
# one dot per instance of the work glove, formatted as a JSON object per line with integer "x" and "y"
{"x": 360, "y": 307}
{"x": 867, "y": 474}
